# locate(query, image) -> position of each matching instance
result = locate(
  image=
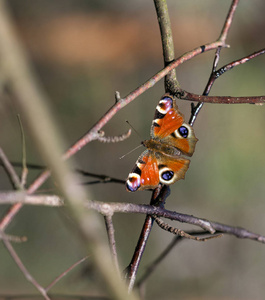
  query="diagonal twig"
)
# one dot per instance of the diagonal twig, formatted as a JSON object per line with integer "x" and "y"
{"x": 223, "y": 35}
{"x": 22, "y": 267}
{"x": 153, "y": 265}
{"x": 182, "y": 233}
{"x": 10, "y": 170}
{"x": 57, "y": 279}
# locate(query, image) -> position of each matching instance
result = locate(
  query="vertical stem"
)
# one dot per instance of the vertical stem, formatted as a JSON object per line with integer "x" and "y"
{"x": 171, "y": 82}
{"x": 158, "y": 199}
{"x": 112, "y": 242}
{"x": 139, "y": 251}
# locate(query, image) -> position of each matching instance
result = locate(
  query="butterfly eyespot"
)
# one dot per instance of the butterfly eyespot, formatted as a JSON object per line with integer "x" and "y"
{"x": 167, "y": 175}
{"x": 133, "y": 182}
{"x": 183, "y": 131}
{"x": 163, "y": 107}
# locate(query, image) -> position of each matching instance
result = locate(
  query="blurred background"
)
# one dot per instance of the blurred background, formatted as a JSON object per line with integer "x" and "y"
{"x": 84, "y": 51}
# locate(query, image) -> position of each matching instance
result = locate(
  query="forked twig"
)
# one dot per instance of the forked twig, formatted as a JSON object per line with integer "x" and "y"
{"x": 115, "y": 207}
{"x": 182, "y": 233}
{"x": 207, "y": 225}
{"x": 258, "y": 100}
{"x": 223, "y": 35}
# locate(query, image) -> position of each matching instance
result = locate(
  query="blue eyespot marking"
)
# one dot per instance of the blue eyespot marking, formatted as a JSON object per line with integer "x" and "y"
{"x": 167, "y": 175}
{"x": 183, "y": 131}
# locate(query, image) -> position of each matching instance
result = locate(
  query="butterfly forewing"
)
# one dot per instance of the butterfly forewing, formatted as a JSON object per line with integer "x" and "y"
{"x": 166, "y": 119}
{"x": 169, "y": 127}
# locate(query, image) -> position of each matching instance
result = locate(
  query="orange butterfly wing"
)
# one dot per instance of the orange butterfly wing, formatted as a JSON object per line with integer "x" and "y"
{"x": 162, "y": 162}
{"x": 153, "y": 167}
{"x": 169, "y": 127}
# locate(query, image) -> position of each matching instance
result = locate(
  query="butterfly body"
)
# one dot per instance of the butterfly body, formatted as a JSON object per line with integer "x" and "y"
{"x": 162, "y": 162}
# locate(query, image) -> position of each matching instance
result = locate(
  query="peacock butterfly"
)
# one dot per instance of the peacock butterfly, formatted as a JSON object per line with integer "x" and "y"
{"x": 162, "y": 161}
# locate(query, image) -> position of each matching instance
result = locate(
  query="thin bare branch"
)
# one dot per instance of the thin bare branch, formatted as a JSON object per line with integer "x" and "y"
{"x": 24, "y": 172}
{"x": 228, "y": 21}
{"x": 153, "y": 265}
{"x": 93, "y": 132}
{"x": 171, "y": 82}
{"x": 7, "y": 219}
{"x": 115, "y": 139}
{"x": 158, "y": 199}
{"x": 258, "y": 100}
{"x": 13, "y": 238}
{"x": 22, "y": 268}
{"x": 224, "y": 32}
{"x": 182, "y": 233}
{"x": 32, "y": 102}
{"x": 112, "y": 242}
{"x": 11, "y": 197}
{"x": 238, "y": 62}
{"x": 116, "y": 207}
{"x": 57, "y": 279}
{"x": 210, "y": 226}
{"x": 10, "y": 170}
{"x": 132, "y": 269}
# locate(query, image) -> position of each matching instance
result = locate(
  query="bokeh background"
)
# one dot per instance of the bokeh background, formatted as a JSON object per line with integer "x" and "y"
{"x": 84, "y": 51}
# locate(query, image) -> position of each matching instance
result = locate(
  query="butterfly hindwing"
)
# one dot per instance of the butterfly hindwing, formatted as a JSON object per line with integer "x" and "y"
{"x": 153, "y": 167}
{"x": 144, "y": 174}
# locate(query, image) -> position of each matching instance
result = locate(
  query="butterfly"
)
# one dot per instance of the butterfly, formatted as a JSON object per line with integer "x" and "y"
{"x": 162, "y": 162}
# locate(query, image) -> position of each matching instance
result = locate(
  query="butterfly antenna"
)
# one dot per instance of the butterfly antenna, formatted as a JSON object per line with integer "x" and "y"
{"x": 133, "y": 129}
{"x": 131, "y": 151}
